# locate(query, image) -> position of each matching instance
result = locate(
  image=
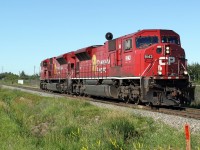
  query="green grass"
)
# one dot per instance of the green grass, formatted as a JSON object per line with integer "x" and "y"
{"x": 33, "y": 122}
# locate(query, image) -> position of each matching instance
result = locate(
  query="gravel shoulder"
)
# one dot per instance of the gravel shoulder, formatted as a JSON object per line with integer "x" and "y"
{"x": 171, "y": 120}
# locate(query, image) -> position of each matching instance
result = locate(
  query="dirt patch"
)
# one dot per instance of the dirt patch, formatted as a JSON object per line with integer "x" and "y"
{"x": 40, "y": 130}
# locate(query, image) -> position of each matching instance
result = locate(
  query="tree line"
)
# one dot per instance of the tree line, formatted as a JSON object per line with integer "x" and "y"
{"x": 8, "y": 76}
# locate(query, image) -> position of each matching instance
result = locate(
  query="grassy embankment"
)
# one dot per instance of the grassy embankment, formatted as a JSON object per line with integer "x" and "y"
{"x": 33, "y": 122}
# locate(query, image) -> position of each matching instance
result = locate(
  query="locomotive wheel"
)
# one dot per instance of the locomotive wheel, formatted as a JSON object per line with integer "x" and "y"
{"x": 149, "y": 104}
{"x": 126, "y": 100}
{"x": 138, "y": 102}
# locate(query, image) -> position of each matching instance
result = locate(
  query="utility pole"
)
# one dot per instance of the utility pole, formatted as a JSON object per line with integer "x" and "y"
{"x": 34, "y": 70}
{"x": 2, "y": 69}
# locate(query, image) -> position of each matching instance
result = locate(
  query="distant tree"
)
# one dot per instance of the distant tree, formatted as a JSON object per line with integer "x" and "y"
{"x": 194, "y": 71}
{"x": 9, "y": 76}
{"x": 2, "y": 76}
{"x": 36, "y": 76}
{"x": 23, "y": 76}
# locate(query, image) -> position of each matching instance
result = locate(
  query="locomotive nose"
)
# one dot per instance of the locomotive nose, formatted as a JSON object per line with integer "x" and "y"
{"x": 170, "y": 62}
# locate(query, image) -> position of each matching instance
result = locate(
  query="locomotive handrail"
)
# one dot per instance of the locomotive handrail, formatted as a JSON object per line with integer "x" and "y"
{"x": 188, "y": 73}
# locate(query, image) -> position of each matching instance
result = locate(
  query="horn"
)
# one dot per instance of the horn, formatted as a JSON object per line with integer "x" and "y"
{"x": 109, "y": 36}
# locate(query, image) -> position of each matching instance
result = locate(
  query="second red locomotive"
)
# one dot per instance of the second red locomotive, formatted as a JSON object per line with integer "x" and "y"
{"x": 148, "y": 66}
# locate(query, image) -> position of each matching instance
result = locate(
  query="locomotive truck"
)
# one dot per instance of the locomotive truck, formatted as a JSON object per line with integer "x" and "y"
{"x": 148, "y": 66}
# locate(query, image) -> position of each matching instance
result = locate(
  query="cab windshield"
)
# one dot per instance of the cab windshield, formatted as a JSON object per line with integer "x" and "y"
{"x": 170, "y": 39}
{"x": 146, "y": 41}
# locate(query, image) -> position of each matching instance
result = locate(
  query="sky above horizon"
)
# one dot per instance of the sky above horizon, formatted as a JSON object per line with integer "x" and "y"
{"x": 33, "y": 30}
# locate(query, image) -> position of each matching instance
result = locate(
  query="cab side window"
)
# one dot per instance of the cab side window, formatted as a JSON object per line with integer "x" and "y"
{"x": 127, "y": 44}
{"x": 146, "y": 41}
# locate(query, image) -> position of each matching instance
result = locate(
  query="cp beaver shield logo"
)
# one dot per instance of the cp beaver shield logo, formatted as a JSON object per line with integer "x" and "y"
{"x": 94, "y": 63}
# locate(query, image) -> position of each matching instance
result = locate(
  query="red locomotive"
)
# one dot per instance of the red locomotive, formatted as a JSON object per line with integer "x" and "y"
{"x": 147, "y": 66}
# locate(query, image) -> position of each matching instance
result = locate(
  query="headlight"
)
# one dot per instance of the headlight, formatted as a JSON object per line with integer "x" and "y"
{"x": 159, "y": 73}
{"x": 167, "y": 51}
{"x": 185, "y": 72}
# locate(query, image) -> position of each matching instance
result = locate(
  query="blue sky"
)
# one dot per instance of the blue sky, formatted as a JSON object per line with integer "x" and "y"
{"x": 32, "y": 30}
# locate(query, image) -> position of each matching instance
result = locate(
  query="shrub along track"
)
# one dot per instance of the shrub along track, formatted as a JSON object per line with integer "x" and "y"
{"x": 177, "y": 111}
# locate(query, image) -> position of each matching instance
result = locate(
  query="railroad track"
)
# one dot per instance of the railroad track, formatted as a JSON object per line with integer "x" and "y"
{"x": 177, "y": 111}
{"x": 187, "y": 112}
